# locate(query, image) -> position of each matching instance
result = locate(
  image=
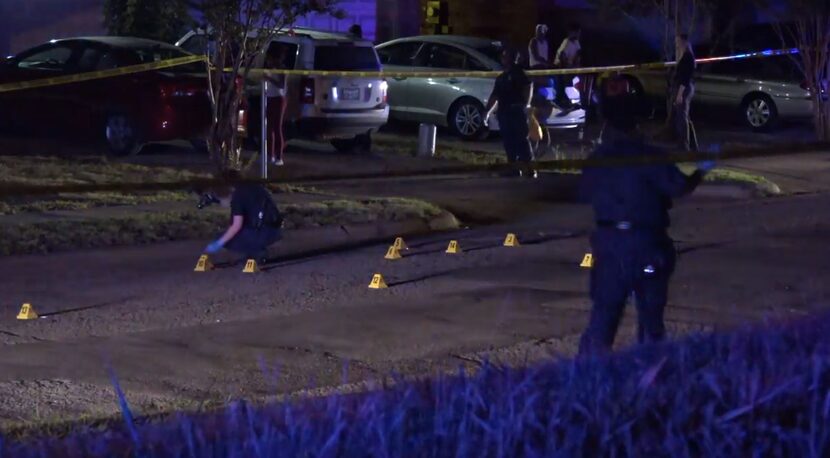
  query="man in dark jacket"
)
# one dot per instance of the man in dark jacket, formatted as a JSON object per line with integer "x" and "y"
{"x": 255, "y": 220}
{"x": 511, "y": 100}
{"x": 683, "y": 89}
{"x": 633, "y": 253}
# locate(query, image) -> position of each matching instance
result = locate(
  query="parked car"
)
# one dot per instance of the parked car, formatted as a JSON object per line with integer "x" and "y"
{"x": 455, "y": 102}
{"x": 124, "y": 111}
{"x": 344, "y": 111}
{"x": 760, "y": 91}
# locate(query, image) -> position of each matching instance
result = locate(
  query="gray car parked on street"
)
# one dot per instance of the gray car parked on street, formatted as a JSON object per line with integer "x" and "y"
{"x": 456, "y": 102}
{"x": 759, "y": 91}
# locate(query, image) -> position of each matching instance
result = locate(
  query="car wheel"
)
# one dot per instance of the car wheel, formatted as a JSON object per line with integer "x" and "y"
{"x": 759, "y": 112}
{"x": 121, "y": 135}
{"x": 466, "y": 119}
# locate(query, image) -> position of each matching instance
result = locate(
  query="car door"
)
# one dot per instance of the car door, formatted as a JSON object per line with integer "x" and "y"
{"x": 399, "y": 57}
{"x": 718, "y": 84}
{"x": 432, "y": 98}
{"x": 39, "y": 111}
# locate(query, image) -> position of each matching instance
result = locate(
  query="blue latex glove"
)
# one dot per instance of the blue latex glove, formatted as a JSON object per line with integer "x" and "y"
{"x": 214, "y": 247}
{"x": 706, "y": 166}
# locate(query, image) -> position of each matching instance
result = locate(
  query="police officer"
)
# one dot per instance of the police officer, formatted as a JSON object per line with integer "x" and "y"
{"x": 255, "y": 220}
{"x": 633, "y": 254}
{"x": 511, "y": 95}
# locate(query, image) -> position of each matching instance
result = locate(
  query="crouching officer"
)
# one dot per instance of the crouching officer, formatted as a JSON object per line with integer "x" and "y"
{"x": 633, "y": 253}
{"x": 255, "y": 220}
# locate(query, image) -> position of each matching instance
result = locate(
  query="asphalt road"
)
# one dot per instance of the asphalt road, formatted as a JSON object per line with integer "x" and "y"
{"x": 175, "y": 337}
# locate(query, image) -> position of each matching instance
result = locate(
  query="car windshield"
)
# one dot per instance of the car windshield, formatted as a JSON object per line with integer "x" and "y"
{"x": 492, "y": 51}
{"x": 345, "y": 58}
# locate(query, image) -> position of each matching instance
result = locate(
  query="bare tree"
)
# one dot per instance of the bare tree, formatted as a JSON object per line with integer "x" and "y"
{"x": 806, "y": 25}
{"x": 239, "y": 31}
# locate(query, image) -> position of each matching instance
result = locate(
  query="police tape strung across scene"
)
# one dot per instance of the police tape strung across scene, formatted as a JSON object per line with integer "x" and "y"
{"x": 80, "y": 77}
{"x": 101, "y": 74}
{"x": 10, "y": 190}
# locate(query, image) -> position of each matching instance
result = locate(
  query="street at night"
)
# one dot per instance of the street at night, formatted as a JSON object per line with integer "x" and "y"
{"x": 184, "y": 272}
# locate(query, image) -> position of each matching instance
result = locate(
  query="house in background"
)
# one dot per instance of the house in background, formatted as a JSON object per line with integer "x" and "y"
{"x": 25, "y": 23}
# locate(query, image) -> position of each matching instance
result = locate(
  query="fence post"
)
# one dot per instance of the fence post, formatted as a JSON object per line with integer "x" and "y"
{"x": 427, "y": 134}
{"x": 264, "y": 131}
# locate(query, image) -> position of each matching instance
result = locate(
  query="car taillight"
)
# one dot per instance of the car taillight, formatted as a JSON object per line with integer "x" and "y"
{"x": 180, "y": 89}
{"x": 384, "y": 92}
{"x": 307, "y": 91}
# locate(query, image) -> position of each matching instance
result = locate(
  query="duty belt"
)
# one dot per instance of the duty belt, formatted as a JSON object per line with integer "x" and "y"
{"x": 619, "y": 225}
{"x": 627, "y": 226}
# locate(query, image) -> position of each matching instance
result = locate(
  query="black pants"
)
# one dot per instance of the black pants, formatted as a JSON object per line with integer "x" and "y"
{"x": 254, "y": 243}
{"x": 514, "y": 133}
{"x": 625, "y": 263}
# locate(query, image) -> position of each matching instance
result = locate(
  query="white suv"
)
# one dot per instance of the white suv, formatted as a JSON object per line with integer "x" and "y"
{"x": 344, "y": 111}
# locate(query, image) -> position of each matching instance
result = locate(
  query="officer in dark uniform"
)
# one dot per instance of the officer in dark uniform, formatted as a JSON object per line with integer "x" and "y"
{"x": 511, "y": 98}
{"x": 256, "y": 222}
{"x": 633, "y": 253}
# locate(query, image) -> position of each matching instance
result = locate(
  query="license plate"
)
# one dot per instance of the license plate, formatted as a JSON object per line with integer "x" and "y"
{"x": 351, "y": 93}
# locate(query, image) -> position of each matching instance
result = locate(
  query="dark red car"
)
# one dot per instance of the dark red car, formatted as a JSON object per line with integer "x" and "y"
{"x": 125, "y": 111}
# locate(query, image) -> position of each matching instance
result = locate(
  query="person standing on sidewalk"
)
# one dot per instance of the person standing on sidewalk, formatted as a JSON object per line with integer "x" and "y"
{"x": 569, "y": 55}
{"x": 275, "y": 112}
{"x": 539, "y": 49}
{"x": 683, "y": 89}
{"x": 633, "y": 253}
{"x": 511, "y": 98}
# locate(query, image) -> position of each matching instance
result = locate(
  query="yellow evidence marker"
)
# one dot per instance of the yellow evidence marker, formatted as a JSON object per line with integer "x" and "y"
{"x": 453, "y": 248}
{"x": 251, "y": 267}
{"x": 27, "y": 312}
{"x": 378, "y": 282}
{"x": 393, "y": 253}
{"x": 587, "y": 261}
{"x": 511, "y": 240}
{"x": 203, "y": 264}
{"x": 400, "y": 244}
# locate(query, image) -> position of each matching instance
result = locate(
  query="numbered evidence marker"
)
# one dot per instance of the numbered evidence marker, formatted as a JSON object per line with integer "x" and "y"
{"x": 511, "y": 240}
{"x": 453, "y": 247}
{"x": 400, "y": 244}
{"x": 393, "y": 253}
{"x": 203, "y": 264}
{"x": 251, "y": 267}
{"x": 587, "y": 261}
{"x": 378, "y": 282}
{"x": 27, "y": 312}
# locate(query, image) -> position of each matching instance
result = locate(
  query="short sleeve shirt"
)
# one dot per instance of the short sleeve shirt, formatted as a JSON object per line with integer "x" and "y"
{"x": 570, "y": 49}
{"x": 510, "y": 87}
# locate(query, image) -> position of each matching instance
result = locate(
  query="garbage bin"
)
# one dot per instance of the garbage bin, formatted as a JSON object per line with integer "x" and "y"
{"x": 427, "y": 134}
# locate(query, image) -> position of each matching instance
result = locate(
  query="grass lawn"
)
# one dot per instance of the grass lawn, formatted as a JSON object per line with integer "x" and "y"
{"x": 75, "y": 229}
{"x": 155, "y": 227}
{"x": 751, "y": 392}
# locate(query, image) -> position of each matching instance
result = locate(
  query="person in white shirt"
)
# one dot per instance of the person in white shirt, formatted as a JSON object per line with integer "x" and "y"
{"x": 538, "y": 50}
{"x": 275, "y": 110}
{"x": 569, "y": 55}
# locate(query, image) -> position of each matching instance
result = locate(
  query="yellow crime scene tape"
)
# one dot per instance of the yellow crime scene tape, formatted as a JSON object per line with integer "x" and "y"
{"x": 101, "y": 74}
{"x": 88, "y": 76}
{"x": 16, "y": 189}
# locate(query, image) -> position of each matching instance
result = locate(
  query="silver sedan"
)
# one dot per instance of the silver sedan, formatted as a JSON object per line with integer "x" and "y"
{"x": 457, "y": 102}
{"x": 760, "y": 91}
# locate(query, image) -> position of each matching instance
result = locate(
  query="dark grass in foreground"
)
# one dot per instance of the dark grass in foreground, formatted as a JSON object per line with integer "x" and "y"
{"x": 758, "y": 392}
